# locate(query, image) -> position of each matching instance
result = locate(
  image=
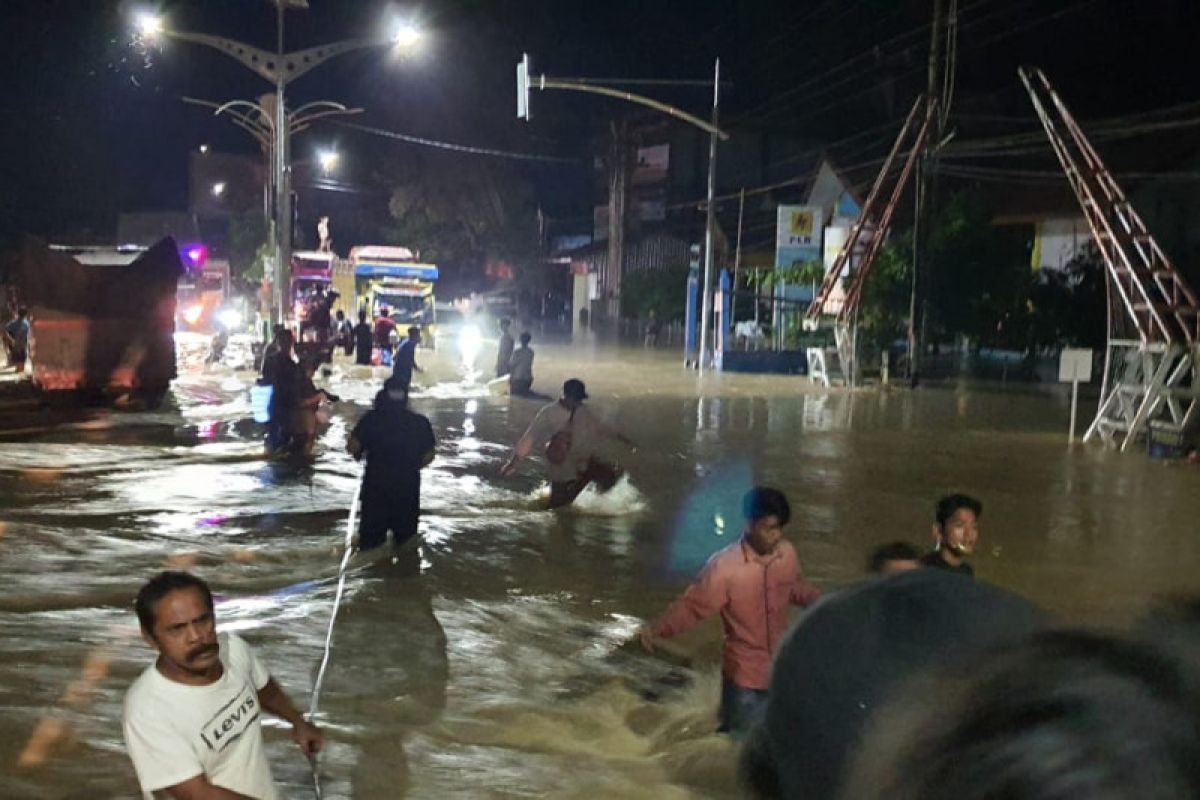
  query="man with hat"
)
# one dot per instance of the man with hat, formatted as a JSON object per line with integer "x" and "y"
{"x": 397, "y": 444}
{"x": 570, "y": 434}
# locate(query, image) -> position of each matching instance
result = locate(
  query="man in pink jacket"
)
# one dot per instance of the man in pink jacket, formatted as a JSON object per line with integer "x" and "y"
{"x": 750, "y": 583}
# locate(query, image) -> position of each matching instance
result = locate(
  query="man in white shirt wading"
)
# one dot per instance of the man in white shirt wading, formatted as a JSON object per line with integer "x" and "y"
{"x": 570, "y": 434}
{"x": 192, "y": 719}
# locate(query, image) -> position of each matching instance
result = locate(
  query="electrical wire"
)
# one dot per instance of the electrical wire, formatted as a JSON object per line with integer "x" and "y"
{"x": 452, "y": 146}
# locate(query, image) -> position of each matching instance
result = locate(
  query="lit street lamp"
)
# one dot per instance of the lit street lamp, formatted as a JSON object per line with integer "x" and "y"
{"x": 328, "y": 159}
{"x": 218, "y": 188}
{"x": 278, "y": 68}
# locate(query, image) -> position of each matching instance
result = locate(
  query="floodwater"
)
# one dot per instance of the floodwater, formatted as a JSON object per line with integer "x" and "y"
{"x": 490, "y": 662}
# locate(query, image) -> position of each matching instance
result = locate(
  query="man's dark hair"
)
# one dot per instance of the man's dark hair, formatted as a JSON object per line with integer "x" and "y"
{"x": 953, "y": 502}
{"x": 1068, "y": 714}
{"x": 159, "y": 587}
{"x": 762, "y": 502}
{"x": 340, "y": 314}
{"x": 362, "y": 315}
{"x": 414, "y": 330}
{"x": 525, "y": 337}
{"x": 892, "y": 551}
{"x": 22, "y": 312}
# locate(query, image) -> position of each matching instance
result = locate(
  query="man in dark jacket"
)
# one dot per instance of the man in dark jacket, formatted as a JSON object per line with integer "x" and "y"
{"x": 397, "y": 444}
{"x": 281, "y": 372}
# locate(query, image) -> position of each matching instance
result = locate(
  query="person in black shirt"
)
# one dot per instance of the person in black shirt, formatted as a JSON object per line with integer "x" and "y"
{"x": 397, "y": 444}
{"x": 282, "y": 373}
{"x": 955, "y": 534}
{"x": 364, "y": 337}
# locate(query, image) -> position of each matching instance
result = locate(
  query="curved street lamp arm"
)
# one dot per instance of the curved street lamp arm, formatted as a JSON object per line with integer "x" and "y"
{"x": 546, "y": 83}
{"x": 271, "y": 66}
{"x": 262, "y": 62}
{"x": 297, "y": 63}
{"x": 252, "y": 124}
{"x": 263, "y": 119}
{"x": 302, "y": 123}
{"x": 317, "y": 104}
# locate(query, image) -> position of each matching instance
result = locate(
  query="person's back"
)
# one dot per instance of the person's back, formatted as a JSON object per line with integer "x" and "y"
{"x": 520, "y": 365}
{"x": 363, "y": 339}
{"x": 396, "y": 442}
{"x": 18, "y": 329}
{"x": 383, "y": 331}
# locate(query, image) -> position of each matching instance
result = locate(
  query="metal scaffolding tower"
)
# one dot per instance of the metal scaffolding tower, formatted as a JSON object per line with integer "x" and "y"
{"x": 1152, "y": 359}
{"x": 850, "y": 269}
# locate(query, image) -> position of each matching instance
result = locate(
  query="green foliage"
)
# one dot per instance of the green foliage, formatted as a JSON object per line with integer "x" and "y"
{"x": 663, "y": 291}
{"x": 883, "y": 312}
{"x": 1068, "y": 307}
{"x": 249, "y": 247}
{"x": 797, "y": 274}
{"x": 978, "y": 276}
{"x": 460, "y": 212}
{"x": 979, "y": 284}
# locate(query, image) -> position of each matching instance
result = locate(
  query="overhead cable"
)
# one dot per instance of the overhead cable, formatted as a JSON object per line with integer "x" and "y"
{"x": 452, "y": 146}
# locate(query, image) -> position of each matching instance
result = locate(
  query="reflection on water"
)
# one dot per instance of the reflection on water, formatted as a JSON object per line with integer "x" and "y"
{"x": 492, "y": 660}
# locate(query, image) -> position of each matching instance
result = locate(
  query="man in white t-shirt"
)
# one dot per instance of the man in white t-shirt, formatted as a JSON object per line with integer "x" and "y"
{"x": 192, "y": 719}
{"x": 571, "y": 434}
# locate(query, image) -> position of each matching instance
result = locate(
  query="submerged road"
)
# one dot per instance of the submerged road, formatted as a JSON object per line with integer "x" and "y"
{"x": 489, "y": 662}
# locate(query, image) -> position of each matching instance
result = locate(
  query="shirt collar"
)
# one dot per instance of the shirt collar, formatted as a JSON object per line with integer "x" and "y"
{"x": 749, "y": 554}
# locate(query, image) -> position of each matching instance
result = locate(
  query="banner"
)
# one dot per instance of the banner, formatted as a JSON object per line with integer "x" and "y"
{"x": 797, "y": 235}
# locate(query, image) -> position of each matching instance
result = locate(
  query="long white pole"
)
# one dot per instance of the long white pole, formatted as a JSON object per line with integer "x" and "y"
{"x": 709, "y": 225}
{"x": 1074, "y": 408}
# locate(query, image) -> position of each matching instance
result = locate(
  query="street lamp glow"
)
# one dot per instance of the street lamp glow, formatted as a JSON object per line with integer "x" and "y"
{"x": 406, "y": 35}
{"x": 148, "y": 24}
{"x": 328, "y": 159}
{"x": 218, "y": 188}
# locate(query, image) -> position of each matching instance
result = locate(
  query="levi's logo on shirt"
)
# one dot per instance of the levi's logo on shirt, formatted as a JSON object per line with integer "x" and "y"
{"x": 231, "y": 720}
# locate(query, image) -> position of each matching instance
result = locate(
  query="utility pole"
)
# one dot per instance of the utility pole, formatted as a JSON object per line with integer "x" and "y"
{"x": 737, "y": 255}
{"x": 710, "y": 225}
{"x": 617, "y": 197}
{"x": 922, "y": 218}
{"x": 527, "y": 81}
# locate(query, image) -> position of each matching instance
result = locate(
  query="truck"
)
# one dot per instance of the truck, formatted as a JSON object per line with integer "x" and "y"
{"x": 394, "y": 278}
{"x": 311, "y": 299}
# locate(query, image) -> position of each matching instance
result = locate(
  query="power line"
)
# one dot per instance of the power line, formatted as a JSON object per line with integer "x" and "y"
{"x": 774, "y": 107}
{"x": 453, "y": 147}
{"x": 845, "y": 98}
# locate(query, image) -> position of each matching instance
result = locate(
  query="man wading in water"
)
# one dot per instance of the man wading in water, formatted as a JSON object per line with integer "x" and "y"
{"x": 397, "y": 444}
{"x": 750, "y": 584}
{"x": 570, "y": 433}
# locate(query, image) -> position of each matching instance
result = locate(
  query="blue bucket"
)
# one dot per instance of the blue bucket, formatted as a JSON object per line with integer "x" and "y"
{"x": 260, "y": 402}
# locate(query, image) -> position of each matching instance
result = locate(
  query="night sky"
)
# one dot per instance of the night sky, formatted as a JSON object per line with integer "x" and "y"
{"x": 94, "y": 126}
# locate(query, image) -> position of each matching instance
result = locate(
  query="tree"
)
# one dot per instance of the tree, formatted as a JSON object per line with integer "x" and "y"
{"x": 460, "y": 212}
{"x": 978, "y": 276}
{"x": 248, "y": 246}
{"x": 883, "y": 311}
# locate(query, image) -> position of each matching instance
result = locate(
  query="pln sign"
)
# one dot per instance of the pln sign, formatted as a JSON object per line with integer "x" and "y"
{"x": 797, "y": 235}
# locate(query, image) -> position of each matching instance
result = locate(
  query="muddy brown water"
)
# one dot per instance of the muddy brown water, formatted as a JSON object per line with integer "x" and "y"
{"x": 489, "y": 663}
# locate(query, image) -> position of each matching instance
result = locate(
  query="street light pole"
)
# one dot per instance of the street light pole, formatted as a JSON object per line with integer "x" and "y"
{"x": 709, "y": 225}
{"x": 527, "y": 81}
{"x": 278, "y": 68}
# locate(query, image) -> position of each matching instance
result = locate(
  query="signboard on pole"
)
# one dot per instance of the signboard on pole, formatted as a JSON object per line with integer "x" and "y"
{"x": 797, "y": 235}
{"x": 1074, "y": 367}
